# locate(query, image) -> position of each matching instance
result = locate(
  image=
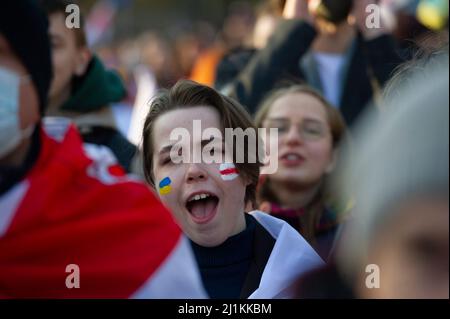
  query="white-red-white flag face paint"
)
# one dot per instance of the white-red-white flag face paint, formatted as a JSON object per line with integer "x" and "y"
{"x": 228, "y": 171}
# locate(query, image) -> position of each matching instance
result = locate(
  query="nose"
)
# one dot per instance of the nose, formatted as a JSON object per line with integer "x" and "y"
{"x": 195, "y": 173}
{"x": 293, "y": 137}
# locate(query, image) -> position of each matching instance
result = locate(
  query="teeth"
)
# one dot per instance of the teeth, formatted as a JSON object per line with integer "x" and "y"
{"x": 292, "y": 157}
{"x": 198, "y": 197}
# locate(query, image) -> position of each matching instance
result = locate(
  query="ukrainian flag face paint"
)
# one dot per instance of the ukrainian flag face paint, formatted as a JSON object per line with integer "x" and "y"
{"x": 164, "y": 186}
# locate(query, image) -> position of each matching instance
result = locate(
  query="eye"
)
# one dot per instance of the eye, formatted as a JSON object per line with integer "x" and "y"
{"x": 282, "y": 129}
{"x": 313, "y": 129}
{"x": 165, "y": 161}
{"x": 280, "y": 125}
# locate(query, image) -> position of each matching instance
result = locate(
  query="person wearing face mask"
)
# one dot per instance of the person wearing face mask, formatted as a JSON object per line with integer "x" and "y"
{"x": 65, "y": 229}
{"x": 318, "y": 43}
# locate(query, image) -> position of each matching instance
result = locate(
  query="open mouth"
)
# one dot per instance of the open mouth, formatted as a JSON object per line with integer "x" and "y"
{"x": 202, "y": 207}
{"x": 292, "y": 159}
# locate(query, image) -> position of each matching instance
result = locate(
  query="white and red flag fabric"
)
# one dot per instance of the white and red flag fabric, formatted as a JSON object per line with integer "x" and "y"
{"x": 77, "y": 206}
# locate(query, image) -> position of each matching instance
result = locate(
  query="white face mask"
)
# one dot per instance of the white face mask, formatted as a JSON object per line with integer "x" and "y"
{"x": 10, "y": 132}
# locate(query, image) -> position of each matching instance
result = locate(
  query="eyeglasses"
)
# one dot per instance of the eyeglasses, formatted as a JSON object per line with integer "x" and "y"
{"x": 308, "y": 129}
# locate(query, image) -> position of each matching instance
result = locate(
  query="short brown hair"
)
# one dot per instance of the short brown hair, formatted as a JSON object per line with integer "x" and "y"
{"x": 186, "y": 94}
{"x": 59, "y": 6}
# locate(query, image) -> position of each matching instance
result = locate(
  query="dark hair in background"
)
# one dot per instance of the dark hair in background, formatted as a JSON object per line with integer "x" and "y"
{"x": 186, "y": 94}
{"x": 59, "y": 6}
{"x": 335, "y": 11}
{"x": 231, "y": 65}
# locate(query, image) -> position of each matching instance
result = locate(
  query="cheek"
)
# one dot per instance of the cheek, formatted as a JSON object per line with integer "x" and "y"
{"x": 28, "y": 106}
{"x": 169, "y": 201}
{"x": 234, "y": 190}
{"x": 168, "y": 185}
{"x": 226, "y": 176}
{"x": 63, "y": 64}
{"x": 320, "y": 154}
{"x": 227, "y": 173}
{"x": 235, "y": 186}
{"x": 165, "y": 185}
{"x": 168, "y": 193}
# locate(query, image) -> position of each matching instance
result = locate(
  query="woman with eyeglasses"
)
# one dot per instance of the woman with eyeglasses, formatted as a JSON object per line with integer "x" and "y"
{"x": 309, "y": 132}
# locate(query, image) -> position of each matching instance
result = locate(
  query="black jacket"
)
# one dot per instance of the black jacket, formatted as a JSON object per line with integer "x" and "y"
{"x": 280, "y": 62}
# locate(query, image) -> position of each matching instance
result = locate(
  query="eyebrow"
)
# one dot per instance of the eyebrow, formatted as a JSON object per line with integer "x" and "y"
{"x": 212, "y": 138}
{"x": 283, "y": 119}
{"x": 204, "y": 142}
{"x": 277, "y": 119}
{"x": 314, "y": 121}
{"x": 165, "y": 149}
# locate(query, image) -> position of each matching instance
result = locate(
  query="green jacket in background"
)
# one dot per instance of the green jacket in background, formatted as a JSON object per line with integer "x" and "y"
{"x": 97, "y": 88}
{"x": 89, "y": 107}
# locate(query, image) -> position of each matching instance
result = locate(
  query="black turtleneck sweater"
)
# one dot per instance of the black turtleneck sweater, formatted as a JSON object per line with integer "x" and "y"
{"x": 224, "y": 268}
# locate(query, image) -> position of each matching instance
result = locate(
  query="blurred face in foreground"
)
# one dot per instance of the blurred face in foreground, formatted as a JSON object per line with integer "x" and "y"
{"x": 21, "y": 107}
{"x": 412, "y": 252}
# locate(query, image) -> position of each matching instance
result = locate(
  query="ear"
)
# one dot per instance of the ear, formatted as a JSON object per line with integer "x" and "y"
{"x": 265, "y": 207}
{"x": 333, "y": 162}
{"x": 246, "y": 181}
{"x": 82, "y": 61}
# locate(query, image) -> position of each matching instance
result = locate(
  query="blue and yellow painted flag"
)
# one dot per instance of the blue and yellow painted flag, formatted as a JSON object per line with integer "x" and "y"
{"x": 164, "y": 186}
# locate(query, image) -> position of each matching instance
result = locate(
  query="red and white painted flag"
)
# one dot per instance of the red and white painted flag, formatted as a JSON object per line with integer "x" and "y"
{"x": 228, "y": 171}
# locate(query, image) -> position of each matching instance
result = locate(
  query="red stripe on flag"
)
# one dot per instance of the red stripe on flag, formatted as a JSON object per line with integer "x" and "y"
{"x": 228, "y": 171}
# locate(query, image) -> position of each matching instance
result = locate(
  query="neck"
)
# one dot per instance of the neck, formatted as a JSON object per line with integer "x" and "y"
{"x": 337, "y": 41}
{"x": 58, "y": 100}
{"x": 291, "y": 195}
